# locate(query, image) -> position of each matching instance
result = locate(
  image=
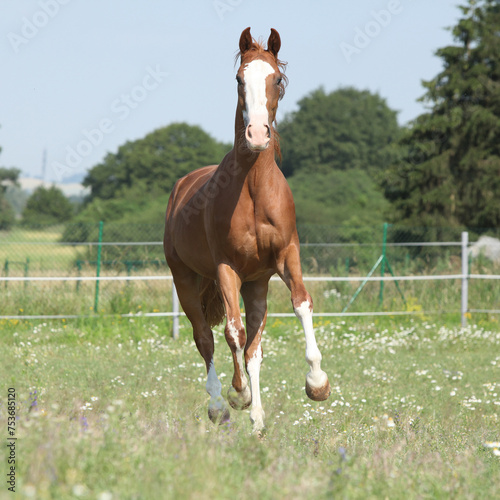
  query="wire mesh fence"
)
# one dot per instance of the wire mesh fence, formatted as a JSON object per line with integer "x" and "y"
{"x": 78, "y": 251}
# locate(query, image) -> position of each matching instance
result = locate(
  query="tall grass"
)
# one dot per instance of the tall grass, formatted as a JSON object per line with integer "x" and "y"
{"x": 426, "y": 298}
{"x": 51, "y": 258}
{"x": 115, "y": 409}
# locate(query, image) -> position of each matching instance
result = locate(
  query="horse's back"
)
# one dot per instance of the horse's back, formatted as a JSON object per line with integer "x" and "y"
{"x": 185, "y": 237}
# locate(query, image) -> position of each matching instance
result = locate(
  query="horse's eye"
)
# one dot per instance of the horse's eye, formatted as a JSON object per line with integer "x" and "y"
{"x": 278, "y": 81}
{"x": 239, "y": 80}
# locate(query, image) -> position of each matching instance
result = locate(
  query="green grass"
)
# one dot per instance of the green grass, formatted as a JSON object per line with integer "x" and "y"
{"x": 20, "y": 244}
{"x": 115, "y": 409}
{"x": 427, "y": 299}
{"x": 71, "y": 298}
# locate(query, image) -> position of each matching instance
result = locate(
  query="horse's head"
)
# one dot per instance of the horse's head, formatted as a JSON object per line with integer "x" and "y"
{"x": 261, "y": 85}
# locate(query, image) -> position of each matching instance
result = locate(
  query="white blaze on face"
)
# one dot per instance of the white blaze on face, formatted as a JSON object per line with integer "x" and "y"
{"x": 255, "y": 115}
{"x": 254, "y": 75}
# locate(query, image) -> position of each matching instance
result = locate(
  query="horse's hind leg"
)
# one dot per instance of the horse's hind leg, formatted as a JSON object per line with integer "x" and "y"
{"x": 187, "y": 285}
{"x": 317, "y": 385}
{"x": 255, "y": 298}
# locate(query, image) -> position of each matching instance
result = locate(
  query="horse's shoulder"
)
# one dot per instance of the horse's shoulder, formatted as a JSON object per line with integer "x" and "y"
{"x": 194, "y": 178}
{"x": 199, "y": 173}
{"x": 283, "y": 193}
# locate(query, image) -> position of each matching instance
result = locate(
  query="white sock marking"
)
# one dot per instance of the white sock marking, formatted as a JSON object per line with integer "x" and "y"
{"x": 214, "y": 388}
{"x": 316, "y": 377}
{"x": 253, "y": 367}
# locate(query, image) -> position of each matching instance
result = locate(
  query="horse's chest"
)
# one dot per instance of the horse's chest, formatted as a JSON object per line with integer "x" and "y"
{"x": 250, "y": 231}
{"x": 252, "y": 244}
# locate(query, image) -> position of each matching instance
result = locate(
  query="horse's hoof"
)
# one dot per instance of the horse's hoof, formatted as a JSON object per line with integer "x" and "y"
{"x": 219, "y": 415}
{"x": 318, "y": 393}
{"x": 239, "y": 400}
{"x": 260, "y": 434}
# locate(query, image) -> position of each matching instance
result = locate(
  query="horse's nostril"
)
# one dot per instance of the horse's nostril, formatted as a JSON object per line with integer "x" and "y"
{"x": 258, "y": 135}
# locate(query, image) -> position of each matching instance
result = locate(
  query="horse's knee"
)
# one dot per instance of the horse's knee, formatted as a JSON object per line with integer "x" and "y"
{"x": 303, "y": 309}
{"x": 235, "y": 334}
{"x": 302, "y": 303}
{"x": 253, "y": 360}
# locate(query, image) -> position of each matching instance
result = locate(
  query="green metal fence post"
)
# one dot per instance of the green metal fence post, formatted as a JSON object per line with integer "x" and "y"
{"x": 98, "y": 271}
{"x": 382, "y": 261}
{"x": 79, "y": 267}
{"x": 382, "y": 264}
{"x": 26, "y": 271}
{"x": 6, "y": 269}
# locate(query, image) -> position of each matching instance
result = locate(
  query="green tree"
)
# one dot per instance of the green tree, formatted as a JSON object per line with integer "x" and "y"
{"x": 47, "y": 206}
{"x": 154, "y": 162}
{"x": 339, "y": 197}
{"x": 8, "y": 178}
{"x": 334, "y": 147}
{"x": 132, "y": 186}
{"x": 449, "y": 169}
{"x": 345, "y": 129}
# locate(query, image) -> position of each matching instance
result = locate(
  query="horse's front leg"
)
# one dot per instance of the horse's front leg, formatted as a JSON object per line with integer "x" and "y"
{"x": 317, "y": 385}
{"x": 255, "y": 298}
{"x": 239, "y": 395}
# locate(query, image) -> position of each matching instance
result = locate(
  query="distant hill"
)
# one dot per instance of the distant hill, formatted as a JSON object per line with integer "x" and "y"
{"x": 71, "y": 186}
{"x": 74, "y": 179}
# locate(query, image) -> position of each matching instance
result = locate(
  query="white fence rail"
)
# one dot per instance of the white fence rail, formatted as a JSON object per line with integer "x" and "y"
{"x": 465, "y": 277}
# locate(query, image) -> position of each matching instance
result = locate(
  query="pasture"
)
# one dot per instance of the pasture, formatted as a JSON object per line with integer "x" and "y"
{"x": 113, "y": 408}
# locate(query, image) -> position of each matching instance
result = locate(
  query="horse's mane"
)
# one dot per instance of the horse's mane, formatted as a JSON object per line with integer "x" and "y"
{"x": 258, "y": 48}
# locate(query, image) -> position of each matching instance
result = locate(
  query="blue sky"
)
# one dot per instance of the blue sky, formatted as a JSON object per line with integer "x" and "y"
{"x": 81, "y": 77}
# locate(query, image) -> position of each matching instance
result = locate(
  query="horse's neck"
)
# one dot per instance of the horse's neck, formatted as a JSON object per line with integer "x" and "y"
{"x": 255, "y": 170}
{"x": 251, "y": 170}
{"x": 252, "y": 165}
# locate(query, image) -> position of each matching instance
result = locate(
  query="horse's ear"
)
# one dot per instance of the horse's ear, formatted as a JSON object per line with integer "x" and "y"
{"x": 245, "y": 41}
{"x": 274, "y": 43}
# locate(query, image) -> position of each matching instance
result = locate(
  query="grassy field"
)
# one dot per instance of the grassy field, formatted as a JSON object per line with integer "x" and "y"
{"x": 48, "y": 256}
{"x": 114, "y": 409}
{"x": 121, "y": 297}
{"x": 39, "y": 247}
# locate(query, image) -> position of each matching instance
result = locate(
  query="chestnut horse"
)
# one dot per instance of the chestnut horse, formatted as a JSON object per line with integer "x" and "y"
{"x": 229, "y": 228}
